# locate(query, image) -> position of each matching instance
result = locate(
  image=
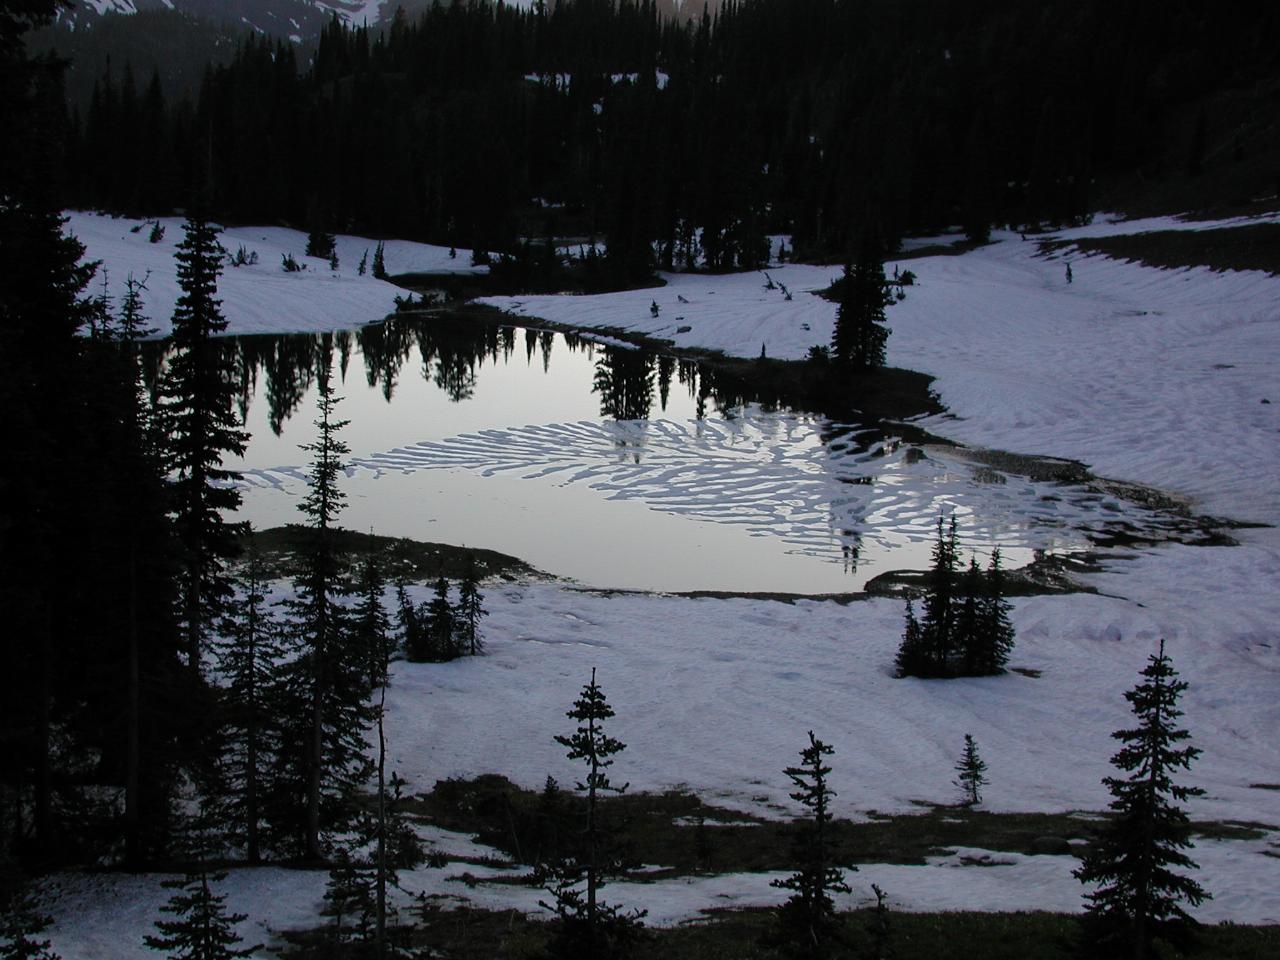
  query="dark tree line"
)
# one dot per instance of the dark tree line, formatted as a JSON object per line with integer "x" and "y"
{"x": 94, "y": 691}
{"x": 121, "y": 578}
{"x": 679, "y": 141}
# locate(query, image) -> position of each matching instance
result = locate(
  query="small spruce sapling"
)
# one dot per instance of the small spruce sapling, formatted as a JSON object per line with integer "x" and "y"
{"x": 202, "y": 930}
{"x": 585, "y": 927}
{"x": 807, "y": 922}
{"x": 350, "y": 900}
{"x": 21, "y": 922}
{"x": 971, "y": 773}
{"x": 878, "y": 927}
{"x": 364, "y": 264}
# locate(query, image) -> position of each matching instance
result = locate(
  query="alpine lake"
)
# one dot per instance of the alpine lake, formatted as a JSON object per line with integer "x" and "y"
{"x": 623, "y": 467}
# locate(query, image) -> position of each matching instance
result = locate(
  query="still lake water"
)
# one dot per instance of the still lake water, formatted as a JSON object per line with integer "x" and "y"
{"x": 617, "y": 467}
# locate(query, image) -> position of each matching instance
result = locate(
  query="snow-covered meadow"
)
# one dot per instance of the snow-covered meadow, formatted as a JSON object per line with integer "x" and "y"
{"x": 261, "y": 297}
{"x": 1169, "y": 378}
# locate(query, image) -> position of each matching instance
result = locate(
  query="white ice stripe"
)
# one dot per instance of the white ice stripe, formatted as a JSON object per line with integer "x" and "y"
{"x": 777, "y": 476}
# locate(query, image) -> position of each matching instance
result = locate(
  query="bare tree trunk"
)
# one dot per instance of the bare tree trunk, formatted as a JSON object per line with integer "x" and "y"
{"x": 252, "y": 850}
{"x": 592, "y": 878}
{"x": 317, "y": 757}
{"x": 133, "y": 750}
{"x": 382, "y": 828}
{"x": 194, "y": 575}
{"x": 44, "y": 773}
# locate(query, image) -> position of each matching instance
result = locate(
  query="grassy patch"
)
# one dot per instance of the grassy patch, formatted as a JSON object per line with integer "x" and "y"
{"x": 469, "y": 934}
{"x": 685, "y": 835}
{"x": 280, "y": 548}
{"x": 1254, "y": 247}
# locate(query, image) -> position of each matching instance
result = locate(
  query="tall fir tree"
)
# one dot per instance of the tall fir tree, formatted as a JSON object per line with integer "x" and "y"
{"x": 328, "y": 680}
{"x": 968, "y": 641}
{"x": 585, "y": 926}
{"x": 202, "y": 428}
{"x": 442, "y": 624}
{"x": 995, "y": 634}
{"x": 1136, "y": 866}
{"x": 860, "y": 335}
{"x": 249, "y": 662}
{"x": 159, "y": 705}
{"x": 42, "y": 308}
{"x": 937, "y": 625}
{"x": 470, "y": 611}
{"x": 807, "y": 923}
{"x": 371, "y": 624}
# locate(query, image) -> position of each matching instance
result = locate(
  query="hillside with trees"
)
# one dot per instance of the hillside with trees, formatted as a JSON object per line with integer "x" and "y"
{"x": 479, "y": 124}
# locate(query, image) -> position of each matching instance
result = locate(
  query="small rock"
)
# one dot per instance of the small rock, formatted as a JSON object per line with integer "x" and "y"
{"x": 1265, "y": 400}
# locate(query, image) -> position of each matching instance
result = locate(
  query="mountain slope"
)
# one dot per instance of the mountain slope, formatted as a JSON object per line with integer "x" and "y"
{"x": 298, "y": 19}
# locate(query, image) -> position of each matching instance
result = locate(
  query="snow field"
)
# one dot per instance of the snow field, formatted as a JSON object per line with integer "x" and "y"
{"x": 113, "y": 912}
{"x": 1153, "y": 376}
{"x": 261, "y": 298}
{"x": 1149, "y": 375}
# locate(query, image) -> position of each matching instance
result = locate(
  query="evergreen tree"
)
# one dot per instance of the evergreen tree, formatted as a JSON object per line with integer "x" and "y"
{"x": 328, "y": 680}
{"x": 995, "y": 630}
{"x": 350, "y": 901}
{"x": 395, "y": 843}
{"x": 372, "y": 626}
{"x": 363, "y": 268}
{"x": 585, "y": 926}
{"x": 807, "y": 922}
{"x": 203, "y": 929}
{"x": 470, "y": 610}
{"x": 913, "y": 658}
{"x": 937, "y": 626}
{"x": 878, "y": 927}
{"x": 202, "y": 428}
{"x": 249, "y": 663}
{"x": 860, "y": 334}
{"x": 21, "y": 922}
{"x": 1131, "y": 865}
{"x": 379, "y": 262}
{"x": 414, "y": 633}
{"x": 132, "y": 489}
{"x": 321, "y": 244}
{"x": 971, "y": 773}
{"x": 969, "y": 640}
{"x": 442, "y": 625}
